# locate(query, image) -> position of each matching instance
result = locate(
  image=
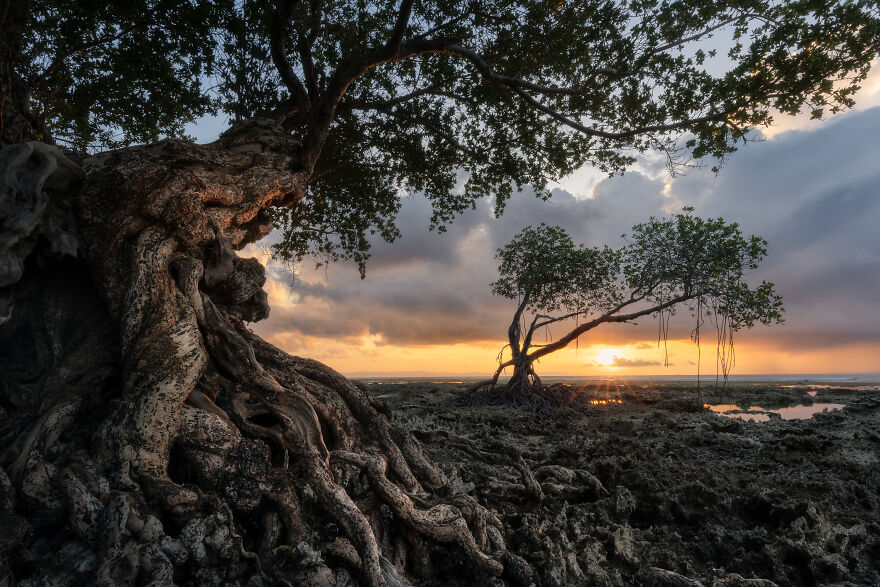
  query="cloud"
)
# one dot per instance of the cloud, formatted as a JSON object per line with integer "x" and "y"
{"x": 434, "y": 288}
{"x": 812, "y": 194}
{"x": 814, "y": 197}
{"x": 624, "y": 362}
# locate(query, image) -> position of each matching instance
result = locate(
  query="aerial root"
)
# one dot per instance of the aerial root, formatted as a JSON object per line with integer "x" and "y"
{"x": 442, "y": 522}
{"x": 42, "y": 435}
{"x": 405, "y": 457}
{"x": 530, "y": 396}
{"x": 548, "y": 481}
{"x": 290, "y": 405}
{"x": 504, "y": 455}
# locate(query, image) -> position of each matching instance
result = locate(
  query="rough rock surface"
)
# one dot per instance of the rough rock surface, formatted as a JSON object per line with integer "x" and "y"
{"x": 691, "y": 498}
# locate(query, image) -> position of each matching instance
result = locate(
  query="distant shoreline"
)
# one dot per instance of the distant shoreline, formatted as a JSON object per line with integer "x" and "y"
{"x": 754, "y": 377}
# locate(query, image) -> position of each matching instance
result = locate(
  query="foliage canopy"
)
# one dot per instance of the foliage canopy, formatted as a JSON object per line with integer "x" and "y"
{"x": 406, "y": 96}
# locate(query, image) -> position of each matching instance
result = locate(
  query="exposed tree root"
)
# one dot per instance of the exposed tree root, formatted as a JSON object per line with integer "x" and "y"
{"x": 218, "y": 458}
{"x": 536, "y": 398}
{"x": 548, "y": 481}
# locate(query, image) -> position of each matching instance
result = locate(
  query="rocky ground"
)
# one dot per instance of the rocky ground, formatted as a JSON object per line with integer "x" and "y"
{"x": 688, "y": 497}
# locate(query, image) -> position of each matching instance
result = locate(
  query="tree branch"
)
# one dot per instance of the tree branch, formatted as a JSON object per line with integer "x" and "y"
{"x": 711, "y": 29}
{"x": 348, "y": 71}
{"x": 304, "y": 47}
{"x": 80, "y": 47}
{"x": 278, "y": 29}
{"x": 403, "y": 15}
{"x": 386, "y": 104}
{"x": 452, "y": 21}
{"x": 611, "y": 317}
{"x": 519, "y": 86}
{"x": 396, "y": 50}
{"x": 513, "y": 331}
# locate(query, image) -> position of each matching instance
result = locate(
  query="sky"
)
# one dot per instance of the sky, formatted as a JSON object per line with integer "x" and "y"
{"x": 811, "y": 189}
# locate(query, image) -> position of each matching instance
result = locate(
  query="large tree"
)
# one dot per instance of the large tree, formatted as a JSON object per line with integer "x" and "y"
{"x": 145, "y": 425}
{"x": 666, "y": 264}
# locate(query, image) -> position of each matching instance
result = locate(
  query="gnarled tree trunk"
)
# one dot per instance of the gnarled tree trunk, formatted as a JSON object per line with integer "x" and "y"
{"x": 150, "y": 436}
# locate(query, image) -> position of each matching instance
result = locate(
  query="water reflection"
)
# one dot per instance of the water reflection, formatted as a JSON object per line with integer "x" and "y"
{"x": 605, "y": 402}
{"x": 759, "y": 414}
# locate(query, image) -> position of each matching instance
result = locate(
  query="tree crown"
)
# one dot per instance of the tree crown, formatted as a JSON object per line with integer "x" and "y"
{"x": 396, "y": 97}
{"x": 664, "y": 262}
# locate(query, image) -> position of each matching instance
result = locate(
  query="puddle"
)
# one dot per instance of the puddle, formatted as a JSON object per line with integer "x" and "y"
{"x": 759, "y": 414}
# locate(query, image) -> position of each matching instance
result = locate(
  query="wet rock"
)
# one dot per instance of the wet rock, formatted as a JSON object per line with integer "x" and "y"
{"x": 594, "y": 563}
{"x": 317, "y": 576}
{"x": 734, "y": 580}
{"x": 658, "y": 577}
{"x": 624, "y": 502}
{"x": 175, "y": 550}
{"x": 623, "y": 545}
{"x": 206, "y": 539}
{"x": 729, "y": 425}
{"x": 774, "y": 508}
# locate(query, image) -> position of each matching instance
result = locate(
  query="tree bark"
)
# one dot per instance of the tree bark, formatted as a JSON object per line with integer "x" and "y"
{"x": 16, "y": 124}
{"x": 147, "y": 428}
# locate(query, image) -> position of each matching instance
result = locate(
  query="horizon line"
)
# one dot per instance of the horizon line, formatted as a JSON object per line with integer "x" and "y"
{"x": 422, "y": 375}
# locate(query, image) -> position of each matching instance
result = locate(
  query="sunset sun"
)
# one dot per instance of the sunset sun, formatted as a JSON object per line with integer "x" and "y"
{"x": 607, "y": 357}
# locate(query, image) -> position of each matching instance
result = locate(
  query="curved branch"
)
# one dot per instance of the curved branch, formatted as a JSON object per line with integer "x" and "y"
{"x": 278, "y": 29}
{"x": 552, "y": 320}
{"x": 519, "y": 87}
{"x": 611, "y": 317}
{"x": 348, "y": 71}
{"x": 513, "y": 331}
{"x": 397, "y": 50}
{"x": 390, "y": 103}
{"x": 403, "y": 16}
{"x": 709, "y": 30}
{"x": 304, "y": 47}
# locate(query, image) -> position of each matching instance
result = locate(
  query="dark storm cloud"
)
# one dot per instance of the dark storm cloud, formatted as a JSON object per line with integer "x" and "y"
{"x": 815, "y": 196}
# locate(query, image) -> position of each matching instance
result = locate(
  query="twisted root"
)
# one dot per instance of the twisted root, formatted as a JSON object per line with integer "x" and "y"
{"x": 212, "y": 428}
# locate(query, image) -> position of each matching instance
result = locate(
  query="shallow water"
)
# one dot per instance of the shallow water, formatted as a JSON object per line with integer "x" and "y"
{"x": 759, "y": 414}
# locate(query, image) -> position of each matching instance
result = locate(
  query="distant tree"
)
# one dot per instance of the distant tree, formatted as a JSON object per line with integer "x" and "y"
{"x": 665, "y": 264}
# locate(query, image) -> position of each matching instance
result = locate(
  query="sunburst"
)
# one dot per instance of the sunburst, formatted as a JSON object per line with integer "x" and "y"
{"x": 607, "y": 357}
